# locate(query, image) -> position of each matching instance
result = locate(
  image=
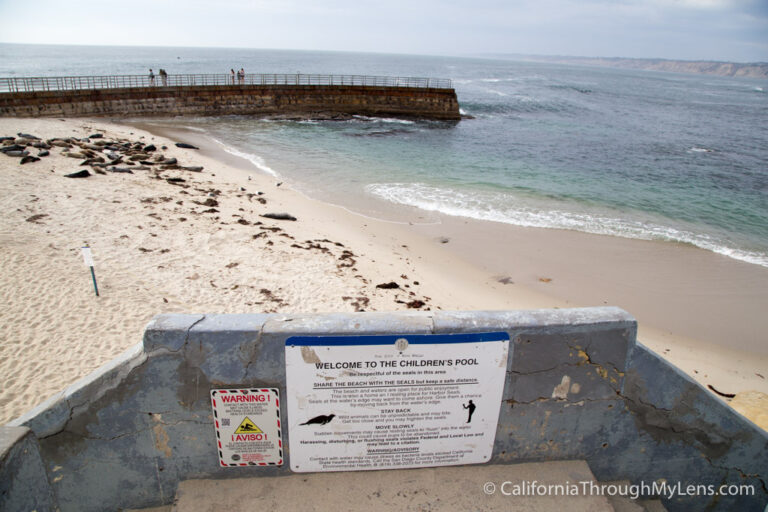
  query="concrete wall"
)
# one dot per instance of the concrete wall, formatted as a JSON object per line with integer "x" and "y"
{"x": 23, "y": 480}
{"x": 578, "y": 387}
{"x": 283, "y": 100}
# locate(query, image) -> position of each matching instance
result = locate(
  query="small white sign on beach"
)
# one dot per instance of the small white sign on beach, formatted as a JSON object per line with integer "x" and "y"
{"x": 248, "y": 431}
{"x": 87, "y": 256}
{"x": 385, "y": 402}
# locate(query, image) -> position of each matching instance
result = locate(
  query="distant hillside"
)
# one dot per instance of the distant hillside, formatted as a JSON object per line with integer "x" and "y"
{"x": 753, "y": 70}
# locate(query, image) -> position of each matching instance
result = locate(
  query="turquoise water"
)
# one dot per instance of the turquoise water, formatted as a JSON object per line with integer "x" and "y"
{"x": 648, "y": 155}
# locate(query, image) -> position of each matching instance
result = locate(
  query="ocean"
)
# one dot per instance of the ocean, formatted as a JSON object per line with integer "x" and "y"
{"x": 637, "y": 154}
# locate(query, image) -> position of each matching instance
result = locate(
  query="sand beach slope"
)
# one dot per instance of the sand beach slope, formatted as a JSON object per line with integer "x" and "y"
{"x": 167, "y": 239}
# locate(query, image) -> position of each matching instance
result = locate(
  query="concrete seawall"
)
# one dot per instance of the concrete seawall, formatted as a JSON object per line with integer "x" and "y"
{"x": 577, "y": 387}
{"x": 302, "y": 101}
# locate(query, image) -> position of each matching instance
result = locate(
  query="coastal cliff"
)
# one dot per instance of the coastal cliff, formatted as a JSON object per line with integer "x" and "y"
{"x": 703, "y": 67}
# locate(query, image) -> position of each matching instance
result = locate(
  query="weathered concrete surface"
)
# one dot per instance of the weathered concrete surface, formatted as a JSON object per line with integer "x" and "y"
{"x": 267, "y": 100}
{"x": 688, "y": 435}
{"x": 432, "y": 489}
{"x": 578, "y": 388}
{"x": 23, "y": 481}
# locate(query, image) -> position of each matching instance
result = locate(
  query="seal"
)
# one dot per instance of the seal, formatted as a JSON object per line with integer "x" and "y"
{"x": 79, "y": 174}
{"x": 28, "y": 159}
{"x": 279, "y": 216}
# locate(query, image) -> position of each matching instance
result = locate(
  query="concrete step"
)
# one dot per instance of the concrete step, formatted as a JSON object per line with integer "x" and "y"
{"x": 626, "y": 504}
{"x": 652, "y": 505}
{"x": 427, "y": 489}
{"x": 622, "y": 504}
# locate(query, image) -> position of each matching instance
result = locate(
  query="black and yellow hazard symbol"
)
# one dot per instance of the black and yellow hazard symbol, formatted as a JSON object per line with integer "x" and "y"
{"x": 248, "y": 427}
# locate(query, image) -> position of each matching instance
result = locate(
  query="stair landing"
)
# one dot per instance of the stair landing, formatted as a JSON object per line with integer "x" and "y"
{"x": 428, "y": 489}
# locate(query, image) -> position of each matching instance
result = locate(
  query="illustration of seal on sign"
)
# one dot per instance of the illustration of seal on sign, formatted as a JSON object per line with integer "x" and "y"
{"x": 319, "y": 420}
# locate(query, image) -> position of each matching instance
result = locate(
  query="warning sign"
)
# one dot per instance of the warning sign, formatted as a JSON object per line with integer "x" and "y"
{"x": 248, "y": 430}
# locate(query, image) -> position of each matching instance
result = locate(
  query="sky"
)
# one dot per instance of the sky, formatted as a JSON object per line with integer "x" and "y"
{"x": 724, "y": 30}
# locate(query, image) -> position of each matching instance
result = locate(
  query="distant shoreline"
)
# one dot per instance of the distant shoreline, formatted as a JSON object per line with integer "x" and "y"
{"x": 701, "y": 67}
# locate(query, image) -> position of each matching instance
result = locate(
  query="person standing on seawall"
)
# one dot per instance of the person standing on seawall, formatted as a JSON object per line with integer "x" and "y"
{"x": 151, "y": 78}
{"x": 242, "y": 75}
{"x": 164, "y": 77}
{"x": 232, "y": 72}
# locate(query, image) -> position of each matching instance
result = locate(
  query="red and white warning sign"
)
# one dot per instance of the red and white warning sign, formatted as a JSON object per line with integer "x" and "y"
{"x": 248, "y": 431}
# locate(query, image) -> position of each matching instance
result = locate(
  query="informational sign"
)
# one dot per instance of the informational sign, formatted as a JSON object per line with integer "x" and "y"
{"x": 384, "y": 402}
{"x": 248, "y": 431}
{"x": 87, "y": 256}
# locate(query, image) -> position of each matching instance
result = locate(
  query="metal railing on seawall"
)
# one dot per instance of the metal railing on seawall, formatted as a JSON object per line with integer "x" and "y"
{"x": 73, "y": 83}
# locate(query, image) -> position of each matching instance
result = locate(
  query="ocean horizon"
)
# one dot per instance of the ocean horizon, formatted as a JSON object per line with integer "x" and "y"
{"x": 634, "y": 154}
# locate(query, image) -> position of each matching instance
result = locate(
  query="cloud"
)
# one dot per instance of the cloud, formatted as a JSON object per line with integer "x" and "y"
{"x": 702, "y": 4}
{"x": 725, "y": 29}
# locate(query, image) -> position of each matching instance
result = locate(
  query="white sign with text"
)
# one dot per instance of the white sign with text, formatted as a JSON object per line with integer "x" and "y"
{"x": 384, "y": 402}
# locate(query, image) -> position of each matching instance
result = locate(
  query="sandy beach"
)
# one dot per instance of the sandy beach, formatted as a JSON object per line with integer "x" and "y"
{"x": 168, "y": 239}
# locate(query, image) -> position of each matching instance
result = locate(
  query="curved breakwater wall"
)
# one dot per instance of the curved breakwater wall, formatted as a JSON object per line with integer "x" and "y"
{"x": 216, "y": 100}
{"x": 576, "y": 386}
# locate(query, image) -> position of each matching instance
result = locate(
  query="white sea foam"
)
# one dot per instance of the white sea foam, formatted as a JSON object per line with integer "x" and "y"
{"x": 256, "y": 160}
{"x": 701, "y": 150}
{"x": 498, "y": 207}
{"x": 195, "y": 129}
{"x": 384, "y": 119}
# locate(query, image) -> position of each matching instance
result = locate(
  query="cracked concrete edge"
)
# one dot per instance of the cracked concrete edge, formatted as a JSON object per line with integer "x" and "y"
{"x": 357, "y": 324}
{"x": 720, "y": 406}
{"x": 9, "y": 436}
{"x": 713, "y": 420}
{"x": 24, "y": 483}
{"x": 563, "y": 401}
{"x": 224, "y": 336}
{"x": 541, "y": 320}
{"x": 587, "y": 360}
{"x": 212, "y": 328}
{"x": 51, "y": 416}
{"x": 169, "y": 331}
{"x": 217, "y": 323}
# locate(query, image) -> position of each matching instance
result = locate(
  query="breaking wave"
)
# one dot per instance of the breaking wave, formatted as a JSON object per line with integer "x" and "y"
{"x": 256, "y": 160}
{"x": 499, "y": 207}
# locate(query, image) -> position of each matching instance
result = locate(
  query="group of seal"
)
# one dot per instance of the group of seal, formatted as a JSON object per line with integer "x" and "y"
{"x": 19, "y": 147}
{"x": 97, "y": 152}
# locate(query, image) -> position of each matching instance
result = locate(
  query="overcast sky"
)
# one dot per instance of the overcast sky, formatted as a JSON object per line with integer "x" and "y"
{"x": 735, "y": 30}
